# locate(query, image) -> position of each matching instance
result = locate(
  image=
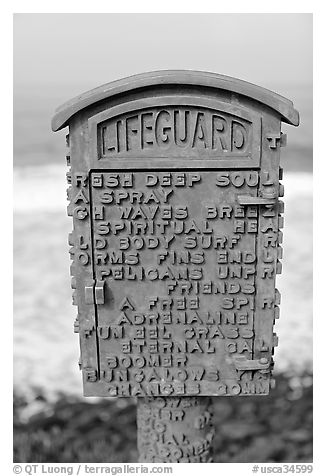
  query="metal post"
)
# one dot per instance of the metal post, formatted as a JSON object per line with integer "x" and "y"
{"x": 175, "y": 430}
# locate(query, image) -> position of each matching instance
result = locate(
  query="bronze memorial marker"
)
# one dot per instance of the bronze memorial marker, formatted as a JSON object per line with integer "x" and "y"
{"x": 174, "y": 193}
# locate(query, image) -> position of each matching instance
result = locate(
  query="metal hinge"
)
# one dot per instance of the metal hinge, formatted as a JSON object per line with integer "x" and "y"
{"x": 94, "y": 292}
{"x": 249, "y": 200}
{"x": 242, "y": 363}
{"x": 274, "y": 138}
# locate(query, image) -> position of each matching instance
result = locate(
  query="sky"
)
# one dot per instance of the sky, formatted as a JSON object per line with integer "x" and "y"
{"x": 86, "y": 50}
{"x": 58, "y": 56}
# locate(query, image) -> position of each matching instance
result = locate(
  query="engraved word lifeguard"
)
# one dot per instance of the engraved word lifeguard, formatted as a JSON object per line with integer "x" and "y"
{"x": 163, "y": 128}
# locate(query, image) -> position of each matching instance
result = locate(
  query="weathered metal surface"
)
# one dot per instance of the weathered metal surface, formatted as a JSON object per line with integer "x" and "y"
{"x": 179, "y": 266}
{"x": 174, "y": 193}
{"x": 175, "y": 78}
{"x": 176, "y": 430}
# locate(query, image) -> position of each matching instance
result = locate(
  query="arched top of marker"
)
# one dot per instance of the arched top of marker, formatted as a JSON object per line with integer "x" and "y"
{"x": 281, "y": 105}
